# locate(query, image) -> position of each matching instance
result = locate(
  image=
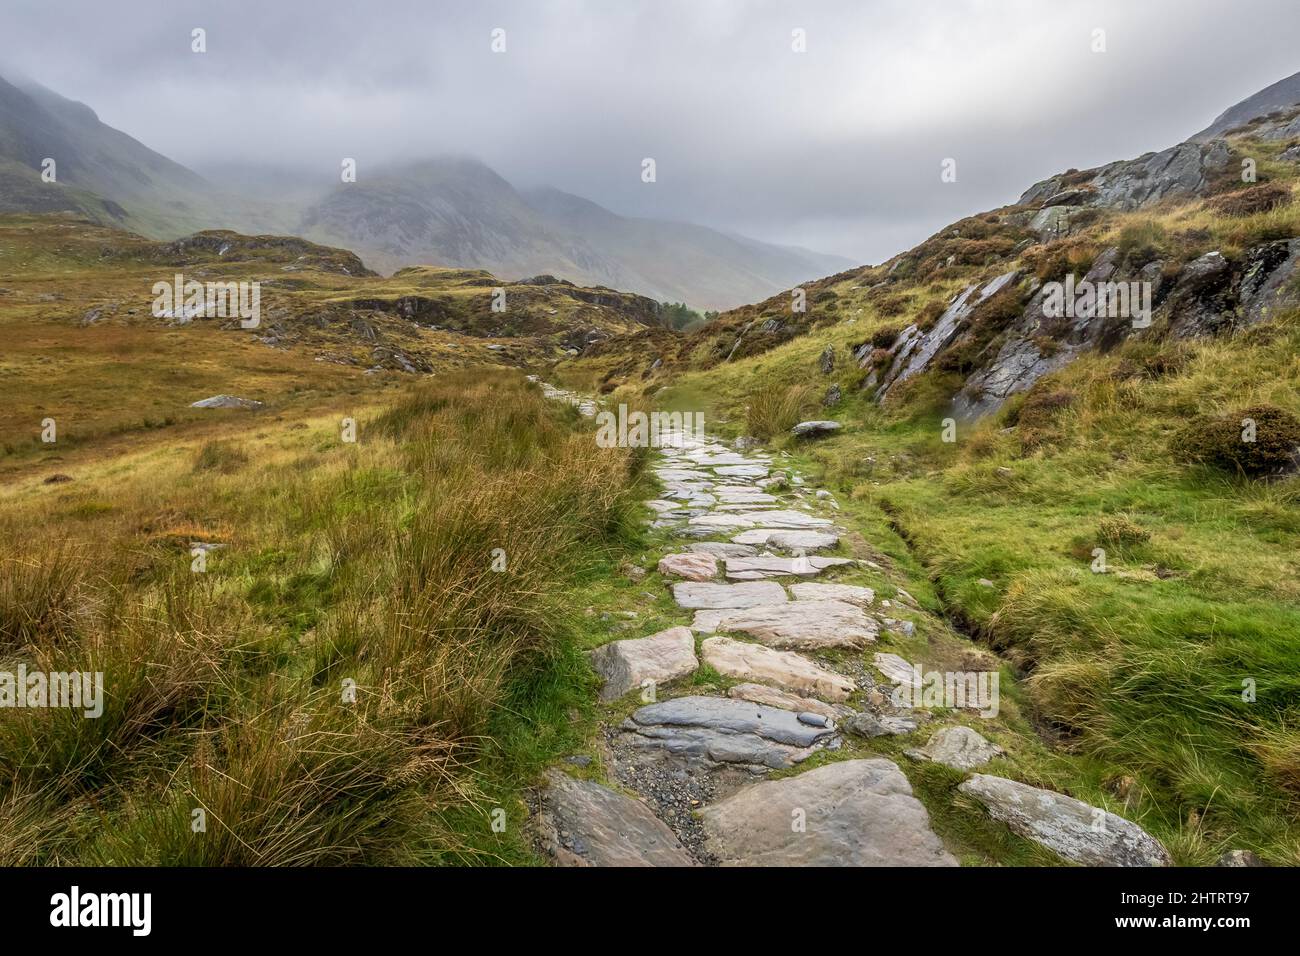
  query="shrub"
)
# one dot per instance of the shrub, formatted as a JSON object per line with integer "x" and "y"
{"x": 930, "y": 315}
{"x": 1261, "y": 197}
{"x": 1035, "y": 418}
{"x": 1222, "y": 441}
{"x": 884, "y": 338}
{"x": 1121, "y": 531}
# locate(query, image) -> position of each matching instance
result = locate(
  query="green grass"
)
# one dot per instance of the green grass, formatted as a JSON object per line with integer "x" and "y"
{"x": 351, "y": 681}
{"x": 1129, "y": 680}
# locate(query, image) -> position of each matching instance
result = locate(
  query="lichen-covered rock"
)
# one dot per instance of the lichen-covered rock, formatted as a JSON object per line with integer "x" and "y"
{"x": 958, "y": 747}
{"x": 1070, "y": 828}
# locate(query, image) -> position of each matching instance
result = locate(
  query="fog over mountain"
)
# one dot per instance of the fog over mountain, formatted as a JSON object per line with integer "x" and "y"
{"x": 713, "y": 92}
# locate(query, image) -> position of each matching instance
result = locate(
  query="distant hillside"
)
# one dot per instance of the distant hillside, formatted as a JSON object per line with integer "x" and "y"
{"x": 133, "y": 184}
{"x": 447, "y": 211}
{"x": 677, "y": 261}
{"x": 455, "y": 211}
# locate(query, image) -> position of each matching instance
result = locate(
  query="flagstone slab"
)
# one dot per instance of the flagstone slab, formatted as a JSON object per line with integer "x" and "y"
{"x": 793, "y": 672}
{"x": 848, "y": 593}
{"x": 802, "y": 625}
{"x": 850, "y": 813}
{"x": 692, "y": 595}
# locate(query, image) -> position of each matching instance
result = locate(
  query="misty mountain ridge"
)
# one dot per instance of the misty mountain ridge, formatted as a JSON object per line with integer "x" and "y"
{"x": 450, "y": 211}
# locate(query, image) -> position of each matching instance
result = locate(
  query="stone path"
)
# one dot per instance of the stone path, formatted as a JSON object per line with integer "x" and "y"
{"x": 687, "y": 765}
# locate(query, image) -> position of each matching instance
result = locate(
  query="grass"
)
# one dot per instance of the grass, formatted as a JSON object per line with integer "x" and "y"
{"x": 1160, "y": 684}
{"x": 352, "y": 680}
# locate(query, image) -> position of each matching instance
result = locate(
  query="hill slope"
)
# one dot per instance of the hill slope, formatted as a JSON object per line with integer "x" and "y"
{"x": 1108, "y": 504}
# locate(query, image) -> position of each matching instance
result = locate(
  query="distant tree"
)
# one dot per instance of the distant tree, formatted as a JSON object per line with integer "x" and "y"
{"x": 678, "y": 315}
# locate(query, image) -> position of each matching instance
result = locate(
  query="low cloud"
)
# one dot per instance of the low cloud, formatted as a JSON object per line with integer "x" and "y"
{"x": 837, "y": 148}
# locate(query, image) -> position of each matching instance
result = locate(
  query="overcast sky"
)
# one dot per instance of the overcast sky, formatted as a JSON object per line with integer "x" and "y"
{"x": 838, "y": 148}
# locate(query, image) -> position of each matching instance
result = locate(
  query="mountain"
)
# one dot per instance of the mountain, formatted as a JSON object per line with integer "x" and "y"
{"x": 456, "y": 211}
{"x": 677, "y": 261}
{"x": 450, "y": 212}
{"x": 128, "y": 183}
{"x": 1282, "y": 95}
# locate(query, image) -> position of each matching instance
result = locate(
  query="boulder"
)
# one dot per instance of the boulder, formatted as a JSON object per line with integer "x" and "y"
{"x": 692, "y": 566}
{"x": 585, "y": 824}
{"x": 850, "y": 813}
{"x": 793, "y": 672}
{"x": 1070, "y": 828}
{"x": 660, "y": 658}
{"x": 814, "y": 429}
{"x": 958, "y": 747}
{"x": 873, "y": 725}
{"x": 827, "y": 360}
{"x": 1239, "y": 858}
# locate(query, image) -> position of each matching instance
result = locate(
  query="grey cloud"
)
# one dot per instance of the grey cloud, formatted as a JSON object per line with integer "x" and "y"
{"x": 837, "y": 148}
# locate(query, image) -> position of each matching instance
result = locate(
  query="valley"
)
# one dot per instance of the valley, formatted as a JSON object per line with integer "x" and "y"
{"x": 442, "y": 543}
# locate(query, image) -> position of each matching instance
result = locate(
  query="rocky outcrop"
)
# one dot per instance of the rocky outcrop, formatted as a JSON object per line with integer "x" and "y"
{"x": 814, "y": 429}
{"x": 915, "y": 349}
{"x": 1184, "y": 171}
{"x": 226, "y": 401}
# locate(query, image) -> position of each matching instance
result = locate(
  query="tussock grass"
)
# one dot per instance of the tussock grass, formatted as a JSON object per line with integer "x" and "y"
{"x": 775, "y": 409}
{"x": 327, "y": 692}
